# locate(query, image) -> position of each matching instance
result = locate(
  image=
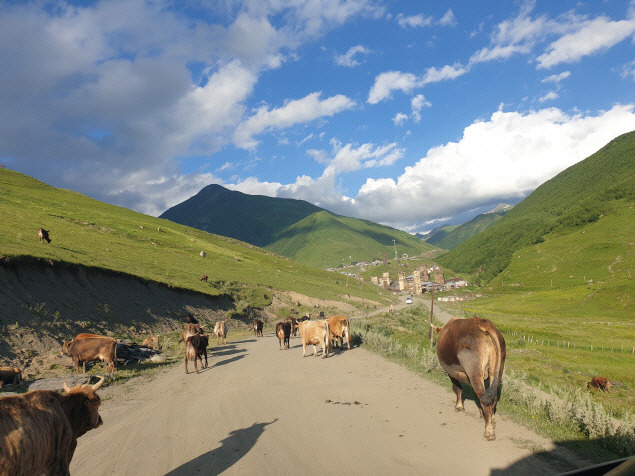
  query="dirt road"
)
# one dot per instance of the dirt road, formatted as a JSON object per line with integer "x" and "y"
{"x": 260, "y": 410}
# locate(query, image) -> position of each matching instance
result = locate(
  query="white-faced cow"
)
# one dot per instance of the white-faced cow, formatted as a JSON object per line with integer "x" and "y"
{"x": 90, "y": 348}
{"x": 283, "y": 332}
{"x": 196, "y": 348}
{"x": 258, "y": 326}
{"x": 220, "y": 331}
{"x": 314, "y": 333}
{"x": 39, "y": 429}
{"x": 10, "y": 376}
{"x": 472, "y": 351}
{"x": 340, "y": 330}
{"x": 43, "y": 235}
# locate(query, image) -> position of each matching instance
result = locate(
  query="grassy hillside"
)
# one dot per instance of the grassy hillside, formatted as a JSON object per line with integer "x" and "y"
{"x": 574, "y": 198}
{"x": 253, "y": 219}
{"x": 326, "y": 240}
{"x": 91, "y": 233}
{"x": 453, "y": 236}
{"x": 292, "y": 228}
{"x": 438, "y": 234}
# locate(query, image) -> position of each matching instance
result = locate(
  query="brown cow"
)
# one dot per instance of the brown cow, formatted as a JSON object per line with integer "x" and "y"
{"x": 39, "y": 429}
{"x": 472, "y": 351}
{"x": 340, "y": 330}
{"x": 283, "y": 331}
{"x": 220, "y": 331}
{"x": 314, "y": 333}
{"x": 204, "y": 278}
{"x": 43, "y": 235}
{"x": 152, "y": 342}
{"x": 191, "y": 328}
{"x": 602, "y": 383}
{"x": 10, "y": 376}
{"x": 258, "y": 325}
{"x": 196, "y": 348}
{"x": 91, "y": 348}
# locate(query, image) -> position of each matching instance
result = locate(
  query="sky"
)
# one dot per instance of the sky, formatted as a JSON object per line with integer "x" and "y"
{"x": 407, "y": 113}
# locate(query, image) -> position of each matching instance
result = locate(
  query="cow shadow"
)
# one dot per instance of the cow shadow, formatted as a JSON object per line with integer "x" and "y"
{"x": 228, "y": 351}
{"x": 246, "y": 341}
{"x": 231, "y": 450}
{"x": 229, "y": 361}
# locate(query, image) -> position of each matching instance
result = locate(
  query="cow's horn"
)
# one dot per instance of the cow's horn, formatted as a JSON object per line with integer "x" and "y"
{"x": 99, "y": 384}
{"x": 66, "y": 389}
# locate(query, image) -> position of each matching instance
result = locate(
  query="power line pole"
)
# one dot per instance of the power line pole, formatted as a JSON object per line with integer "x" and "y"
{"x": 395, "y": 245}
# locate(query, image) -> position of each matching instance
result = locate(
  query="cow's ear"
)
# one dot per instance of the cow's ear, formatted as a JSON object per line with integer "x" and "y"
{"x": 438, "y": 329}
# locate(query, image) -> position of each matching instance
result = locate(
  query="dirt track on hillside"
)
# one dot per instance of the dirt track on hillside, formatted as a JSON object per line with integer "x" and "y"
{"x": 260, "y": 410}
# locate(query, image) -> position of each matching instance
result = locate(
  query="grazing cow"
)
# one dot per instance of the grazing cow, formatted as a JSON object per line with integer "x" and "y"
{"x": 196, "y": 348}
{"x": 204, "y": 278}
{"x": 39, "y": 429}
{"x": 314, "y": 333}
{"x": 472, "y": 351}
{"x": 258, "y": 325}
{"x": 283, "y": 331}
{"x": 602, "y": 383}
{"x": 44, "y": 235}
{"x": 220, "y": 331}
{"x": 10, "y": 376}
{"x": 294, "y": 325}
{"x": 340, "y": 330}
{"x": 91, "y": 348}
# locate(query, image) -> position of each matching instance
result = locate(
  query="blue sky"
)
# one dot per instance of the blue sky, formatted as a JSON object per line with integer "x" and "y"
{"x": 409, "y": 114}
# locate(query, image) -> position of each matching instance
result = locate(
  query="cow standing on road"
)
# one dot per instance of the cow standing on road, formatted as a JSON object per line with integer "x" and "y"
{"x": 283, "y": 332}
{"x": 196, "y": 348}
{"x": 220, "y": 331}
{"x": 340, "y": 330}
{"x": 39, "y": 429}
{"x": 472, "y": 351}
{"x": 314, "y": 333}
{"x": 258, "y": 326}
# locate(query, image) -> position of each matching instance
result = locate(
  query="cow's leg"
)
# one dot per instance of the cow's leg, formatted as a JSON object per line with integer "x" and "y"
{"x": 314, "y": 350}
{"x": 458, "y": 391}
{"x": 477, "y": 380}
{"x": 196, "y": 364}
{"x": 186, "y": 365}
{"x": 205, "y": 358}
{"x": 303, "y": 349}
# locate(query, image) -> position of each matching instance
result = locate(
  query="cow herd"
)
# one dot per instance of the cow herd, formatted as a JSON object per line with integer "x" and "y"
{"x": 44, "y": 425}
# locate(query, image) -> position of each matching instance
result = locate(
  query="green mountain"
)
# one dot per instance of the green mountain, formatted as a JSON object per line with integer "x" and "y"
{"x": 87, "y": 233}
{"x": 254, "y": 219}
{"x": 596, "y": 189}
{"x": 292, "y": 228}
{"x": 449, "y": 237}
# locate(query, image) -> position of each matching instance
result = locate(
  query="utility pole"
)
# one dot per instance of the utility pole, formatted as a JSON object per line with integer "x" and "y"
{"x": 395, "y": 245}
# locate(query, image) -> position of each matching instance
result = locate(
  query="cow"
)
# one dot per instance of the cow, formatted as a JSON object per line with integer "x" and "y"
{"x": 43, "y": 235}
{"x": 340, "y": 330}
{"x": 196, "y": 348}
{"x": 39, "y": 429}
{"x": 258, "y": 325}
{"x": 602, "y": 383}
{"x": 86, "y": 349}
{"x": 190, "y": 328}
{"x": 10, "y": 376}
{"x": 294, "y": 325}
{"x": 283, "y": 332}
{"x": 152, "y": 342}
{"x": 472, "y": 351}
{"x": 314, "y": 333}
{"x": 203, "y": 278}
{"x": 220, "y": 331}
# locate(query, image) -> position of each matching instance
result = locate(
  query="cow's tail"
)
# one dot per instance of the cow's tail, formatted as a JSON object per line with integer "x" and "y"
{"x": 490, "y": 395}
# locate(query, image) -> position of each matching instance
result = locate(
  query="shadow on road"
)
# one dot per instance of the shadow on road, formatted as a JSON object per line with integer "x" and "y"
{"x": 231, "y": 350}
{"x": 231, "y": 450}
{"x": 229, "y": 361}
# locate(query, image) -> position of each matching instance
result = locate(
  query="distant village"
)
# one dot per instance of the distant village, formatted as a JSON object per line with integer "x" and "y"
{"x": 422, "y": 279}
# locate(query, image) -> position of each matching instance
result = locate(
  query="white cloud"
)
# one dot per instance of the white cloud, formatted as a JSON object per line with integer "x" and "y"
{"x": 556, "y": 78}
{"x": 628, "y": 71}
{"x": 448, "y": 19}
{"x": 386, "y": 83}
{"x": 307, "y": 109}
{"x": 550, "y": 96}
{"x": 418, "y": 103}
{"x": 592, "y": 36}
{"x": 348, "y": 58}
{"x": 399, "y": 119}
{"x": 420, "y": 21}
